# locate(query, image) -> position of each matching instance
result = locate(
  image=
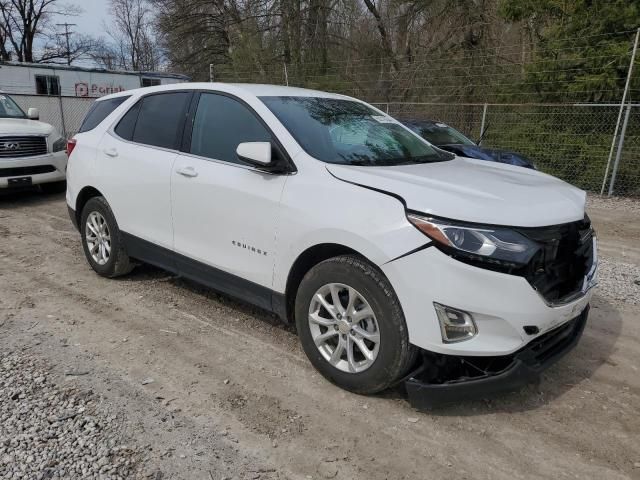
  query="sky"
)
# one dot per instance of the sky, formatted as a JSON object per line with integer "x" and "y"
{"x": 90, "y": 22}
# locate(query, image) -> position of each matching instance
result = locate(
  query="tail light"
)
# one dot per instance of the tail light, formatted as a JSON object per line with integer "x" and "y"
{"x": 71, "y": 144}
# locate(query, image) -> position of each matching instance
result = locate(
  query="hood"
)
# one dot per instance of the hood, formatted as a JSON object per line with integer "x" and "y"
{"x": 491, "y": 154}
{"x": 474, "y": 191}
{"x": 23, "y": 126}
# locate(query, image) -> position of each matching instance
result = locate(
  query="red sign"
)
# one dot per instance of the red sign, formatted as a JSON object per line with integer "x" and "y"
{"x": 94, "y": 90}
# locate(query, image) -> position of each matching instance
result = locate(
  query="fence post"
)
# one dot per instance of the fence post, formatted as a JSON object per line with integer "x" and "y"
{"x": 482, "y": 124}
{"x": 64, "y": 124}
{"x": 386, "y": 108}
{"x": 619, "y": 152}
{"x": 624, "y": 98}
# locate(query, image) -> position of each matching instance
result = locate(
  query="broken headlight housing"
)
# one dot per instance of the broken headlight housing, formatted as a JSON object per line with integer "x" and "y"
{"x": 499, "y": 245}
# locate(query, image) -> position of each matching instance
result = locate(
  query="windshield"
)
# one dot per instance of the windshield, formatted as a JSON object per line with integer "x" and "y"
{"x": 440, "y": 134}
{"x": 349, "y": 132}
{"x": 9, "y": 108}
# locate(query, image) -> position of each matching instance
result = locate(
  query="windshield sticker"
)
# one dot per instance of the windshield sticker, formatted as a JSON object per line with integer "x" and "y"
{"x": 441, "y": 125}
{"x": 383, "y": 119}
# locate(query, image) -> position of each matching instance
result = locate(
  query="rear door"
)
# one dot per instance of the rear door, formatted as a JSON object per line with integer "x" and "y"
{"x": 136, "y": 161}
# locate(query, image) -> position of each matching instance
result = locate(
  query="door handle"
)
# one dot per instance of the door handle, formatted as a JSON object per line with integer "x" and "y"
{"x": 111, "y": 152}
{"x": 187, "y": 172}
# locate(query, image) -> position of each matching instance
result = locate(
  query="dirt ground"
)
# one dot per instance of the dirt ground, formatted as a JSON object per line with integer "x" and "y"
{"x": 233, "y": 395}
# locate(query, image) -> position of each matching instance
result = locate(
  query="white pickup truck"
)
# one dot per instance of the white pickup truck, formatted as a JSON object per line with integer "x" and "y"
{"x": 31, "y": 152}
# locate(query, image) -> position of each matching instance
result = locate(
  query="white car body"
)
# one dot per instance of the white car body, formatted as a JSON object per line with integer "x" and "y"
{"x": 254, "y": 226}
{"x": 19, "y": 163}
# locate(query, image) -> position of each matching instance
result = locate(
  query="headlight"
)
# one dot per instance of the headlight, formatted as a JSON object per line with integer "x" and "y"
{"x": 491, "y": 243}
{"x": 59, "y": 145}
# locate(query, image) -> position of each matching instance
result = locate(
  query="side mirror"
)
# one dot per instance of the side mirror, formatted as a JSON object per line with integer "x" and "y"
{"x": 33, "y": 114}
{"x": 255, "y": 153}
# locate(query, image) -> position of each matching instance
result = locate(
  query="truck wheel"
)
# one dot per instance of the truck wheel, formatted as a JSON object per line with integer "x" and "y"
{"x": 101, "y": 240}
{"x": 351, "y": 325}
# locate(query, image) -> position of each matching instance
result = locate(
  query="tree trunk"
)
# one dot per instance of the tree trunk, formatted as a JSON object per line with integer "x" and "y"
{"x": 384, "y": 36}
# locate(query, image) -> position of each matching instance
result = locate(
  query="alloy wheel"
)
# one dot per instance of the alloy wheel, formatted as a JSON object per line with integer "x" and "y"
{"x": 98, "y": 238}
{"x": 344, "y": 327}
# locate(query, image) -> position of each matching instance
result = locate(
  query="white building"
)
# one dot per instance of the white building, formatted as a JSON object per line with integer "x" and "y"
{"x": 72, "y": 81}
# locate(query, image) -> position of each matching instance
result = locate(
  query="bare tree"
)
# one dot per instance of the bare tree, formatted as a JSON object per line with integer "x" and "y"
{"x": 59, "y": 49}
{"x": 5, "y": 54}
{"x": 103, "y": 54}
{"x": 199, "y": 33}
{"x": 134, "y": 46}
{"x": 23, "y": 21}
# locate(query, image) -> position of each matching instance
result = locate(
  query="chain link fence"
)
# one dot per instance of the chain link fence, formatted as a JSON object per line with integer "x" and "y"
{"x": 64, "y": 113}
{"x": 570, "y": 141}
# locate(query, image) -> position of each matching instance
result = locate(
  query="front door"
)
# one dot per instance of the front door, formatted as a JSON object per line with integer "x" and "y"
{"x": 225, "y": 212}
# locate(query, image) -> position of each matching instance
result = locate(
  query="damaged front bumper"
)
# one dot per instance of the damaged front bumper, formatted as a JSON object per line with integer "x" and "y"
{"x": 443, "y": 379}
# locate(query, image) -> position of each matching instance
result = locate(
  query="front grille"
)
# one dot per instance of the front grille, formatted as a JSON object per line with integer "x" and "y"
{"x": 23, "y": 146}
{"x": 26, "y": 171}
{"x": 565, "y": 257}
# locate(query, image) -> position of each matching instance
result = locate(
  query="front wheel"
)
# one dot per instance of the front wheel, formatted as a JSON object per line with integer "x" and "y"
{"x": 351, "y": 325}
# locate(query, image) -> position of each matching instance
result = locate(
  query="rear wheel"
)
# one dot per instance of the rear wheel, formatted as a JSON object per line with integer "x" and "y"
{"x": 102, "y": 241}
{"x": 351, "y": 325}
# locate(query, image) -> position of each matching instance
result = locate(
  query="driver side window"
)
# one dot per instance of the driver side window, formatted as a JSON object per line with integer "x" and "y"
{"x": 220, "y": 124}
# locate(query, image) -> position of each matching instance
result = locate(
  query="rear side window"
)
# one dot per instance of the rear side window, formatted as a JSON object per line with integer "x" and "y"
{"x": 99, "y": 111}
{"x": 127, "y": 124}
{"x": 220, "y": 124}
{"x": 161, "y": 119}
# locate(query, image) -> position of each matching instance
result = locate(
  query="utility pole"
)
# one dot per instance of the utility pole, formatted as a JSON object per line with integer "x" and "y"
{"x": 67, "y": 34}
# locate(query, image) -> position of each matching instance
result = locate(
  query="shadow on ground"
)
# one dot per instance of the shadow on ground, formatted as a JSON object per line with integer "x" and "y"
{"x": 27, "y": 197}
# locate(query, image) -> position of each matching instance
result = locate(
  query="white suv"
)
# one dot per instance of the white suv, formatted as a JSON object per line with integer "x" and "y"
{"x": 31, "y": 152}
{"x": 398, "y": 262}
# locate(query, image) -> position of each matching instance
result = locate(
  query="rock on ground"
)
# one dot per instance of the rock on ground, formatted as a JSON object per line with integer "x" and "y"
{"x": 51, "y": 432}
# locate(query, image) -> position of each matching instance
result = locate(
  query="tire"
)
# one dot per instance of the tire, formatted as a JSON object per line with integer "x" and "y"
{"x": 354, "y": 276}
{"x": 116, "y": 262}
{"x": 54, "y": 187}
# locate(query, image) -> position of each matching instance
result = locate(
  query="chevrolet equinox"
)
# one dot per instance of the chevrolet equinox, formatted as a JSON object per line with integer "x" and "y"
{"x": 399, "y": 263}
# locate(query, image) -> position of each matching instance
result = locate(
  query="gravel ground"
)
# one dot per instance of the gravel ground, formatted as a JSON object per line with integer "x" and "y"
{"x": 619, "y": 281}
{"x": 619, "y": 204}
{"x": 52, "y": 432}
{"x": 617, "y": 223}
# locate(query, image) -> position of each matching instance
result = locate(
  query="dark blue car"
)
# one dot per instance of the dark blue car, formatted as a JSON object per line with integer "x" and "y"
{"x": 449, "y": 139}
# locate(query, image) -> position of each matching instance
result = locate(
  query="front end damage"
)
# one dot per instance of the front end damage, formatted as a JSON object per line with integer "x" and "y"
{"x": 443, "y": 379}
